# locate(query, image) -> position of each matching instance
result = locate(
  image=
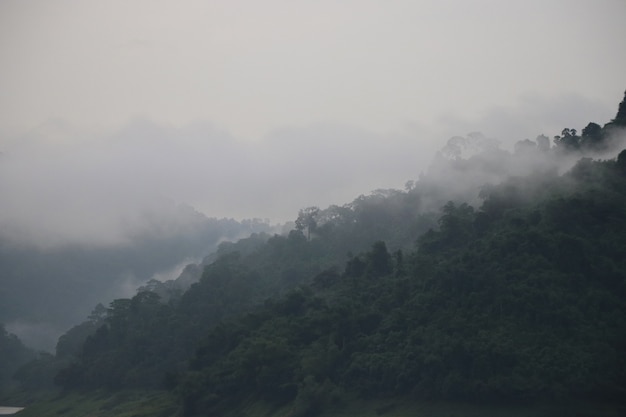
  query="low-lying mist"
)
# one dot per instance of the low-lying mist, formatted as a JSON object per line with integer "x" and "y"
{"x": 88, "y": 218}
{"x": 62, "y": 185}
{"x": 106, "y": 190}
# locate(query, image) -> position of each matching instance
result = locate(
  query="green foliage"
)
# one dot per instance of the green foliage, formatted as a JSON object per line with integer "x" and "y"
{"x": 568, "y": 140}
{"x": 144, "y": 342}
{"x": 621, "y": 161}
{"x": 13, "y": 353}
{"x": 103, "y": 403}
{"x": 71, "y": 343}
{"x": 516, "y": 300}
{"x": 620, "y": 117}
{"x": 519, "y": 301}
{"x": 592, "y": 136}
{"x": 42, "y": 286}
{"x": 38, "y": 374}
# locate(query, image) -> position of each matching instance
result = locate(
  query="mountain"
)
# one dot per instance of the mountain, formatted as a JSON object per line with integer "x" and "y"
{"x": 45, "y": 291}
{"x": 496, "y": 278}
{"x": 13, "y": 355}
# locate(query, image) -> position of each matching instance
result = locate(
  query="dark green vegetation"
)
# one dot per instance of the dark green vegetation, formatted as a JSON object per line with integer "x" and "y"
{"x": 13, "y": 353}
{"x": 133, "y": 403}
{"x": 130, "y": 403}
{"x": 44, "y": 291}
{"x": 522, "y": 300}
{"x": 515, "y": 302}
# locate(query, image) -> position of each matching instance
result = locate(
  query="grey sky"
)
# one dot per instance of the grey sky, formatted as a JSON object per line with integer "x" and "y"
{"x": 258, "y": 108}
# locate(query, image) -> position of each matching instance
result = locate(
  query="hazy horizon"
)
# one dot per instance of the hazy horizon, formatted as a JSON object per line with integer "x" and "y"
{"x": 113, "y": 111}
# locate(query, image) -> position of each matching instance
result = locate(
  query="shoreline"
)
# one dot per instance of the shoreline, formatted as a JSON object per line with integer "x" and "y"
{"x": 7, "y": 411}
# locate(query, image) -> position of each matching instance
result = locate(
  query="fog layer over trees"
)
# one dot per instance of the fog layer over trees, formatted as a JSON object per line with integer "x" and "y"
{"x": 497, "y": 276}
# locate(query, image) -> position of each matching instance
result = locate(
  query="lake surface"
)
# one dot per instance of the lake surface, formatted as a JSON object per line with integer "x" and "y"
{"x": 7, "y": 411}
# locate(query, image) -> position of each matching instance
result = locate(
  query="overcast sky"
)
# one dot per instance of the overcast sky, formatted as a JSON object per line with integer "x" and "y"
{"x": 259, "y": 108}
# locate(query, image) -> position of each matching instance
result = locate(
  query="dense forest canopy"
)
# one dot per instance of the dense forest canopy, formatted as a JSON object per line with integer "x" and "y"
{"x": 496, "y": 277}
{"x": 47, "y": 290}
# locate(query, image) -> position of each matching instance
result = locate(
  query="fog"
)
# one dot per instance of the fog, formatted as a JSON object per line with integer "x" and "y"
{"x": 114, "y": 113}
{"x": 253, "y": 67}
{"x": 123, "y": 124}
{"x": 105, "y": 189}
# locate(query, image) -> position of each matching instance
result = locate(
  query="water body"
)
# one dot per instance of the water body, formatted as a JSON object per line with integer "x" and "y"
{"x": 7, "y": 411}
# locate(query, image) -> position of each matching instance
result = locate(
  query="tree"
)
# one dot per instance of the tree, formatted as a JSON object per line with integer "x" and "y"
{"x": 620, "y": 117}
{"x": 619, "y": 121}
{"x": 525, "y": 146}
{"x": 13, "y": 353}
{"x": 71, "y": 343}
{"x": 307, "y": 220}
{"x": 379, "y": 260}
{"x": 621, "y": 161}
{"x": 592, "y": 135}
{"x": 543, "y": 143}
{"x": 98, "y": 314}
{"x": 568, "y": 140}
{"x": 456, "y": 223}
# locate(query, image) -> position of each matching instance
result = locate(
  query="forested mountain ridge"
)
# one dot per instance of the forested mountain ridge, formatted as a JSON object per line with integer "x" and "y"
{"x": 13, "y": 353}
{"x": 513, "y": 303}
{"x": 44, "y": 291}
{"x": 516, "y": 297}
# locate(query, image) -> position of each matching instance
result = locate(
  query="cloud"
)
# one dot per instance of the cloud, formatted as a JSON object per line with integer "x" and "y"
{"x": 42, "y": 335}
{"x": 530, "y": 116}
{"x": 104, "y": 189}
{"x": 253, "y": 67}
{"x": 60, "y": 185}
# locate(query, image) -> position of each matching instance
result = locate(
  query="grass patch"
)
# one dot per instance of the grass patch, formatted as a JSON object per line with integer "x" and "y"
{"x": 102, "y": 403}
{"x": 163, "y": 404}
{"x": 403, "y": 408}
